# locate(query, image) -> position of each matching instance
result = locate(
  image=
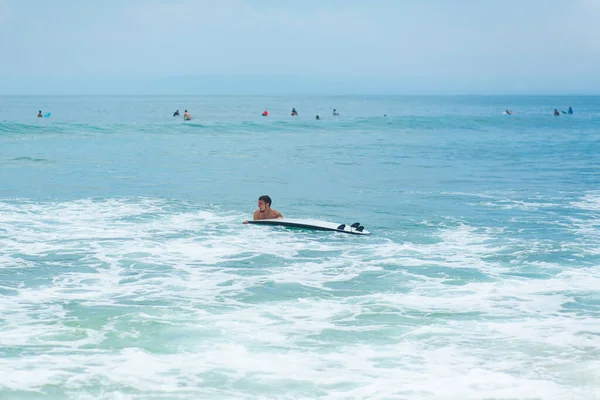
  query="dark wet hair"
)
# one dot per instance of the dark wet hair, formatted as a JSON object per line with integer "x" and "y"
{"x": 185, "y": 110}
{"x": 266, "y": 199}
{"x": 40, "y": 111}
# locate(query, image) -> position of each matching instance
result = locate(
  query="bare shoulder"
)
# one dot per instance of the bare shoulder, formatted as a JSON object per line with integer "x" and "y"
{"x": 256, "y": 215}
{"x": 278, "y": 214}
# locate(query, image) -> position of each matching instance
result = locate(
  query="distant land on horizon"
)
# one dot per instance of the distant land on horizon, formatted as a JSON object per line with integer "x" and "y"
{"x": 276, "y": 85}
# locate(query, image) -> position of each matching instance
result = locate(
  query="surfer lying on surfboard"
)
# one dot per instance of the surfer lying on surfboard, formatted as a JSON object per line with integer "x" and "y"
{"x": 264, "y": 210}
{"x": 266, "y": 216}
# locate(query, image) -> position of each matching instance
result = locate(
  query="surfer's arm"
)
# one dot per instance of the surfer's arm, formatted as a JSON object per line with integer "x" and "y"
{"x": 278, "y": 215}
{"x": 254, "y": 217}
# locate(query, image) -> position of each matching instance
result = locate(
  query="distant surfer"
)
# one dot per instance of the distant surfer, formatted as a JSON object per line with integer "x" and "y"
{"x": 265, "y": 113}
{"x": 187, "y": 116}
{"x": 570, "y": 110}
{"x": 294, "y": 112}
{"x": 318, "y": 117}
{"x": 556, "y": 113}
{"x": 509, "y": 112}
{"x": 40, "y": 114}
{"x": 264, "y": 210}
{"x": 335, "y": 113}
{"x": 176, "y": 113}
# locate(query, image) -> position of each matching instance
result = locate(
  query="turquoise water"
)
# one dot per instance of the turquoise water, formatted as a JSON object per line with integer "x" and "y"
{"x": 125, "y": 271}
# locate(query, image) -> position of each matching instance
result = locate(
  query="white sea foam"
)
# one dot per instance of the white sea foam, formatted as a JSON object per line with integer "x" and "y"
{"x": 590, "y": 201}
{"x": 135, "y": 298}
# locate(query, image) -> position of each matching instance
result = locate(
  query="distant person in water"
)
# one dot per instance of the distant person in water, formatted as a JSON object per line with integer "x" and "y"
{"x": 294, "y": 112}
{"x": 556, "y": 113}
{"x": 264, "y": 210}
{"x": 570, "y": 110}
{"x": 176, "y": 113}
{"x": 318, "y": 117}
{"x": 187, "y": 116}
{"x": 40, "y": 114}
{"x": 265, "y": 113}
{"x": 335, "y": 112}
{"x": 509, "y": 112}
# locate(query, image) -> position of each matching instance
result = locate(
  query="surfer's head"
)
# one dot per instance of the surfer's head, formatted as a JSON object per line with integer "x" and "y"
{"x": 264, "y": 203}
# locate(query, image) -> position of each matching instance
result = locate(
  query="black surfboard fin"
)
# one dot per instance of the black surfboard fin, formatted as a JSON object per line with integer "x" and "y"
{"x": 341, "y": 227}
{"x": 355, "y": 225}
{"x": 360, "y": 228}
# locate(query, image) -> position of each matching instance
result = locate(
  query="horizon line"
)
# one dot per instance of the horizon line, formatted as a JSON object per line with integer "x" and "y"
{"x": 307, "y": 95}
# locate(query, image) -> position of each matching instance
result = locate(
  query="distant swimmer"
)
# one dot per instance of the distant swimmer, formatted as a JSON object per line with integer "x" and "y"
{"x": 294, "y": 112}
{"x": 509, "y": 112}
{"x": 264, "y": 210}
{"x": 335, "y": 112}
{"x": 176, "y": 113}
{"x": 265, "y": 113}
{"x": 187, "y": 116}
{"x": 318, "y": 117}
{"x": 556, "y": 113}
{"x": 570, "y": 110}
{"x": 40, "y": 114}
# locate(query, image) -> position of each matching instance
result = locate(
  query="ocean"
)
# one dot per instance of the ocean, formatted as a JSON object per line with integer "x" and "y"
{"x": 126, "y": 271}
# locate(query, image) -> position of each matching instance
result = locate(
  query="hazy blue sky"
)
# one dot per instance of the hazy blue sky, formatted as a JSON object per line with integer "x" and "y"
{"x": 303, "y": 46}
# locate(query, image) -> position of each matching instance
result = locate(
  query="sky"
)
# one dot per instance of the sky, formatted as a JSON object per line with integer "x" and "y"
{"x": 333, "y": 47}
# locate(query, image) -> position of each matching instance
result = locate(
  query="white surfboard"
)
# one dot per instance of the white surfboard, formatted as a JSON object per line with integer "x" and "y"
{"x": 354, "y": 229}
